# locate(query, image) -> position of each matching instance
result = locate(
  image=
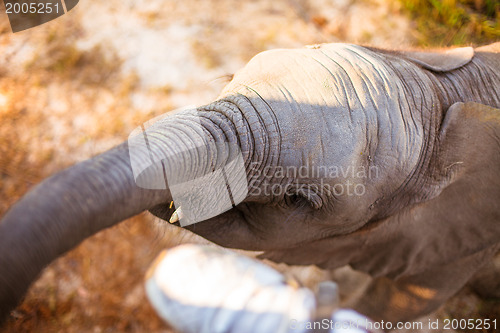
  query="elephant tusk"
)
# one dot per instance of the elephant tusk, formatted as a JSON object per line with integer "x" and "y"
{"x": 176, "y": 216}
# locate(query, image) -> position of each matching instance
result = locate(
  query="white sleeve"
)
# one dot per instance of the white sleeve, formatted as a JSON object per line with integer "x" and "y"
{"x": 204, "y": 289}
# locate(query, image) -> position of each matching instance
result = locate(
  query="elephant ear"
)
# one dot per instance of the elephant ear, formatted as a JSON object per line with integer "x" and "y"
{"x": 492, "y": 48}
{"x": 441, "y": 61}
{"x": 463, "y": 219}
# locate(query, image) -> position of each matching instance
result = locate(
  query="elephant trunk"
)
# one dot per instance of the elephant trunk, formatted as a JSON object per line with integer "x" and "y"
{"x": 61, "y": 212}
{"x": 76, "y": 203}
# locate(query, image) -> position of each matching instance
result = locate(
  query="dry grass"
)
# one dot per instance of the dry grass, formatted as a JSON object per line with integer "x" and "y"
{"x": 73, "y": 294}
{"x": 20, "y": 165}
{"x": 96, "y": 287}
{"x": 455, "y": 22}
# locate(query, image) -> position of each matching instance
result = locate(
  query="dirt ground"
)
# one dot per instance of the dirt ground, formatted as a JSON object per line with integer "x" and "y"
{"x": 76, "y": 86}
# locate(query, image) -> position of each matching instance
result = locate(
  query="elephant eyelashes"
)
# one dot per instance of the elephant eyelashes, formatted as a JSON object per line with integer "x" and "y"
{"x": 301, "y": 199}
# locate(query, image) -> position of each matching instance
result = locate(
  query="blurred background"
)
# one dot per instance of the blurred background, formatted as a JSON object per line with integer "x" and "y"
{"x": 78, "y": 85}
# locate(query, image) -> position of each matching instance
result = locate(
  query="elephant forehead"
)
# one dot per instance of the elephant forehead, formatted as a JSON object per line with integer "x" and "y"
{"x": 336, "y": 97}
{"x": 345, "y": 88}
{"x": 335, "y": 75}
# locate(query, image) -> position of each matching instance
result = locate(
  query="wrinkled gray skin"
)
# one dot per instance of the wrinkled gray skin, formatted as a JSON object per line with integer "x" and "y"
{"x": 427, "y": 220}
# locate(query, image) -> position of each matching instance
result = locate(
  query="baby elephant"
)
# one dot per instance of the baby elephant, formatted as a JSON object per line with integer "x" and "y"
{"x": 333, "y": 155}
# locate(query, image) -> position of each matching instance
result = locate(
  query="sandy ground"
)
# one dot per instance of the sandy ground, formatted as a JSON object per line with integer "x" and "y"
{"x": 79, "y": 85}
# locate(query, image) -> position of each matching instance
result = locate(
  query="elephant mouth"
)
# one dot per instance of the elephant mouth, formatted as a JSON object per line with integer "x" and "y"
{"x": 232, "y": 229}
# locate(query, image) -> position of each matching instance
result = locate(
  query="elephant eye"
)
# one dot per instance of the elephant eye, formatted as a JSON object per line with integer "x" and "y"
{"x": 302, "y": 199}
{"x": 294, "y": 200}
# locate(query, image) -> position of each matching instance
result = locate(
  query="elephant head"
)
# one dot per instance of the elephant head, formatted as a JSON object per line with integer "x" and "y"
{"x": 329, "y": 155}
